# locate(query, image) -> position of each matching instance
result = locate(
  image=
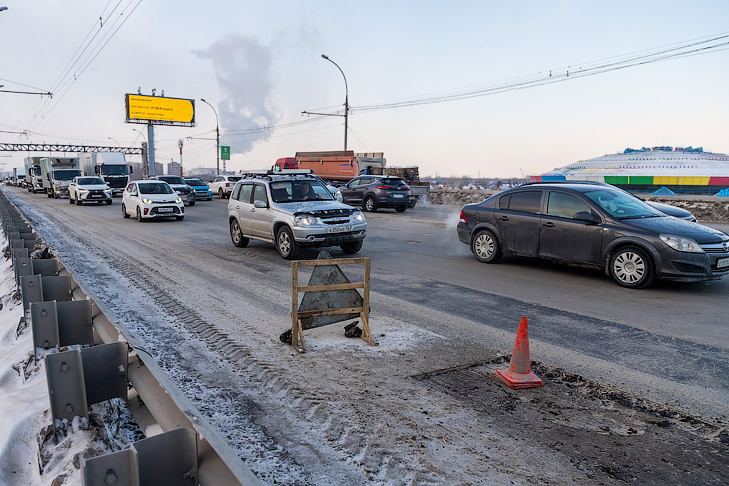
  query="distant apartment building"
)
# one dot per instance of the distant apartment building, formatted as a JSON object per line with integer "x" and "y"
{"x": 173, "y": 168}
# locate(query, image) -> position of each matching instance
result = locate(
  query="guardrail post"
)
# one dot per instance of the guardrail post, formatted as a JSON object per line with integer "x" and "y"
{"x": 31, "y": 288}
{"x": 79, "y": 378}
{"x": 44, "y": 322}
{"x": 169, "y": 458}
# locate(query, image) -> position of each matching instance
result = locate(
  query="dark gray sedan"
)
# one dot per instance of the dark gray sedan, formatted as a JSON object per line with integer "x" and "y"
{"x": 594, "y": 225}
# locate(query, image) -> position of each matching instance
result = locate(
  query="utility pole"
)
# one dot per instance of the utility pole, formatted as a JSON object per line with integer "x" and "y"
{"x": 217, "y": 135}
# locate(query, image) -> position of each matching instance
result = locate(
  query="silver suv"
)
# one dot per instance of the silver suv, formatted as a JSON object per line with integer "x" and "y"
{"x": 292, "y": 211}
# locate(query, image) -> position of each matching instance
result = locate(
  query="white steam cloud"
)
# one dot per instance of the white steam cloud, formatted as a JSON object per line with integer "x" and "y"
{"x": 243, "y": 71}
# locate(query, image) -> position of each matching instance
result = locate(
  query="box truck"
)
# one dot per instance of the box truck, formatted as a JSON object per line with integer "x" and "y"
{"x": 110, "y": 166}
{"x": 57, "y": 173}
{"x": 33, "y": 176}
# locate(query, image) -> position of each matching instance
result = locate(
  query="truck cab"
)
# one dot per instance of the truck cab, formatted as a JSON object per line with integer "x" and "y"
{"x": 57, "y": 174}
{"x": 110, "y": 166}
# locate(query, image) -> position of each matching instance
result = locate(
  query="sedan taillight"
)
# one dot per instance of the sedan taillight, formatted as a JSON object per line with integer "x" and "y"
{"x": 463, "y": 217}
{"x": 227, "y": 184}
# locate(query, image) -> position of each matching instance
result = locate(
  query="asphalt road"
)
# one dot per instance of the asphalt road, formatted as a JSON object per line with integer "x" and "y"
{"x": 668, "y": 343}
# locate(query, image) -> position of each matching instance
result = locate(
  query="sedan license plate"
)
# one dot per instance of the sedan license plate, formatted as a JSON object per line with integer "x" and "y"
{"x": 722, "y": 263}
{"x": 339, "y": 229}
{"x": 164, "y": 210}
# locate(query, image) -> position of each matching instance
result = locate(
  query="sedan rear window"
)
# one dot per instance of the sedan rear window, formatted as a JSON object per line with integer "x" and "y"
{"x": 234, "y": 178}
{"x": 526, "y": 201}
{"x": 195, "y": 182}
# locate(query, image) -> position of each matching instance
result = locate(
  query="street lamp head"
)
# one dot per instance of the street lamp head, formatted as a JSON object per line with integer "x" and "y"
{"x": 325, "y": 56}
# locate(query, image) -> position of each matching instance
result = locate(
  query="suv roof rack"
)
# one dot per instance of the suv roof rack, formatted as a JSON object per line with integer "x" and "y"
{"x": 270, "y": 174}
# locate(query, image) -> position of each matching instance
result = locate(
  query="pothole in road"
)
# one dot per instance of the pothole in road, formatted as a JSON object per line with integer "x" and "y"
{"x": 604, "y": 431}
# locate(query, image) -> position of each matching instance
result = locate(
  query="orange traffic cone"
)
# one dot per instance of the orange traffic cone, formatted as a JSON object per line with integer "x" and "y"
{"x": 519, "y": 373}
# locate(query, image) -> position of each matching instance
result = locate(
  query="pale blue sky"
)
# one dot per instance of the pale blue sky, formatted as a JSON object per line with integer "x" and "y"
{"x": 388, "y": 50}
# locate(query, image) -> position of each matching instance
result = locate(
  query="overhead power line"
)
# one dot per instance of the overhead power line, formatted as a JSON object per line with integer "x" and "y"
{"x": 690, "y": 48}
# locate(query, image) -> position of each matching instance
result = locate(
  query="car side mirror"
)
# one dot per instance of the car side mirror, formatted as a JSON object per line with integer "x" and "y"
{"x": 260, "y": 204}
{"x": 587, "y": 217}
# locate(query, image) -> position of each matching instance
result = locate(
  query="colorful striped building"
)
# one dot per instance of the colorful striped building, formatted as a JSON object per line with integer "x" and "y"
{"x": 683, "y": 170}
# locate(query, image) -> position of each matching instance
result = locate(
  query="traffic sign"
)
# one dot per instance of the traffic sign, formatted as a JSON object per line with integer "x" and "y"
{"x": 224, "y": 152}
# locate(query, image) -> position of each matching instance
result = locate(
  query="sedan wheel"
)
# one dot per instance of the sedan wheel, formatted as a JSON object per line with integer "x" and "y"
{"x": 139, "y": 214}
{"x": 221, "y": 194}
{"x": 630, "y": 267}
{"x": 485, "y": 247}
{"x": 124, "y": 211}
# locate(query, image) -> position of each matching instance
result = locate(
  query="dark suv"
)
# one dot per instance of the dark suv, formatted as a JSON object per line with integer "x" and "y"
{"x": 376, "y": 191}
{"x": 594, "y": 225}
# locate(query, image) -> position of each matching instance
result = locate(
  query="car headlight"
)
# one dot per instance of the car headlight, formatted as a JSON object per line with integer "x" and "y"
{"x": 358, "y": 216}
{"x": 178, "y": 200}
{"x": 681, "y": 244}
{"x": 146, "y": 201}
{"x": 305, "y": 220}
{"x": 107, "y": 190}
{"x": 83, "y": 191}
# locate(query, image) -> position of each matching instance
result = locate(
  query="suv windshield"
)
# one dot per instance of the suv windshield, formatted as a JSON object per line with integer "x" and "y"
{"x": 114, "y": 169}
{"x": 172, "y": 180}
{"x": 90, "y": 181}
{"x": 298, "y": 191}
{"x": 621, "y": 205}
{"x": 195, "y": 182}
{"x": 155, "y": 188}
{"x": 65, "y": 174}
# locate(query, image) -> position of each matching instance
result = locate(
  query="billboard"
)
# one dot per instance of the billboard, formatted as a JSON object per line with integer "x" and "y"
{"x": 159, "y": 110}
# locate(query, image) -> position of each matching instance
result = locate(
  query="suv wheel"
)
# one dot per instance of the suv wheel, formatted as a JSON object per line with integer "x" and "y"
{"x": 631, "y": 267}
{"x": 369, "y": 204}
{"x": 237, "y": 235}
{"x": 351, "y": 247}
{"x": 485, "y": 247}
{"x": 70, "y": 199}
{"x": 285, "y": 243}
{"x": 124, "y": 211}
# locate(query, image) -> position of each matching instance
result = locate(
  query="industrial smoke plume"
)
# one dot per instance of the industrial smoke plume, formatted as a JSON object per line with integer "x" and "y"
{"x": 243, "y": 72}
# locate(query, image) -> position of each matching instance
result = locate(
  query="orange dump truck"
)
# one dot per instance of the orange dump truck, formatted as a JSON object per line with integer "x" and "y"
{"x": 335, "y": 166}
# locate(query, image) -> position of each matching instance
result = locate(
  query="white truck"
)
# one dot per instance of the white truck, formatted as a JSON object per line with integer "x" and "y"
{"x": 19, "y": 175}
{"x": 33, "y": 176}
{"x": 57, "y": 173}
{"x": 110, "y": 166}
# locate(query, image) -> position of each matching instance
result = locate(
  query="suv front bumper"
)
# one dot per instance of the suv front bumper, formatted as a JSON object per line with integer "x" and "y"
{"x": 318, "y": 235}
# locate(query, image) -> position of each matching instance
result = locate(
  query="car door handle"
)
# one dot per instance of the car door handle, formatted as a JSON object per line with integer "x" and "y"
{"x": 549, "y": 224}
{"x": 504, "y": 218}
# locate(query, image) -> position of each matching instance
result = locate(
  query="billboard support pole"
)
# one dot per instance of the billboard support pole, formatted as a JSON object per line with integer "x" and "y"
{"x": 150, "y": 148}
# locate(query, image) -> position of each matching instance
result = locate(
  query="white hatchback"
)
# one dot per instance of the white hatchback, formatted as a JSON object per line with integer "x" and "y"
{"x": 150, "y": 199}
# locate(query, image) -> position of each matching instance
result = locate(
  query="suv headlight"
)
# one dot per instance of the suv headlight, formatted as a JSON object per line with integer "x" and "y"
{"x": 305, "y": 220}
{"x": 107, "y": 190}
{"x": 681, "y": 244}
{"x": 83, "y": 191}
{"x": 358, "y": 216}
{"x": 146, "y": 201}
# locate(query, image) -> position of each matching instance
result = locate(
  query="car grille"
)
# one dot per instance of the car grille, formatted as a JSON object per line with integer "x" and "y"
{"x": 331, "y": 213}
{"x": 716, "y": 247}
{"x": 175, "y": 210}
{"x": 116, "y": 183}
{"x": 96, "y": 194}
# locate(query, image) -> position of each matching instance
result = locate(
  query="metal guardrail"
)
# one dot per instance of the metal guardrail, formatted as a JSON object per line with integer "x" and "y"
{"x": 59, "y": 320}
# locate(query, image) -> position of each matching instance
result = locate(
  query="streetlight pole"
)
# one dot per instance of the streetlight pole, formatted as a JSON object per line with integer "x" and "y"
{"x": 179, "y": 144}
{"x": 346, "y": 98}
{"x": 145, "y": 158}
{"x": 115, "y": 141}
{"x": 217, "y": 135}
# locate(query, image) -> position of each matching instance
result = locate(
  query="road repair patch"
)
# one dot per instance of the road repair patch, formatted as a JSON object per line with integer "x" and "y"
{"x": 609, "y": 434}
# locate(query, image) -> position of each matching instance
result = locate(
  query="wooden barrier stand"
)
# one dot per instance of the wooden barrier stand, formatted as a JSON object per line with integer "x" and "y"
{"x": 297, "y": 333}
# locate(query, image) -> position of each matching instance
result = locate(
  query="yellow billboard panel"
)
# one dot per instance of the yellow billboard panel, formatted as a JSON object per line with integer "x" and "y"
{"x": 160, "y": 110}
